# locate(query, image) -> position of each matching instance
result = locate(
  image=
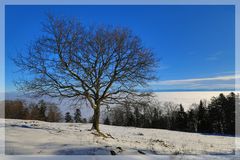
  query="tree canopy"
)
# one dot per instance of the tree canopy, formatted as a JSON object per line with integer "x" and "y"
{"x": 100, "y": 64}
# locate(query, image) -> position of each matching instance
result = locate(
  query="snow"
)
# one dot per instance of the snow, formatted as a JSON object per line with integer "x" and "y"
{"x": 28, "y": 137}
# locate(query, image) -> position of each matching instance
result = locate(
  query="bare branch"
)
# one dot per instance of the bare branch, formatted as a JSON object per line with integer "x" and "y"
{"x": 102, "y": 65}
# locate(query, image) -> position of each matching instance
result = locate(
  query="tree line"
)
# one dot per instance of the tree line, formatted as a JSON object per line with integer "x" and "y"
{"x": 77, "y": 118}
{"x": 217, "y": 116}
{"x": 44, "y": 111}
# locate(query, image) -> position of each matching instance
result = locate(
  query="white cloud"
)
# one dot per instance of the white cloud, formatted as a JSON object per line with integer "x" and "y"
{"x": 195, "y": 80}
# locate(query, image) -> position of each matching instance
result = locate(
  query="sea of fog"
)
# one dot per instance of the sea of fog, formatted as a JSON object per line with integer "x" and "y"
{"x": 184, "y": 98}
{"x": 188, "y": 98}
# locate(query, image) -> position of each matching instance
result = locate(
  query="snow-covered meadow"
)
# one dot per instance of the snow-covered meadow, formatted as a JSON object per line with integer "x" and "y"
{"x": 28, "y": 137}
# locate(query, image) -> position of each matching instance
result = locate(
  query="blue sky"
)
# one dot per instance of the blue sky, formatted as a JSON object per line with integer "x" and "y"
{"x": 195, "y": 43}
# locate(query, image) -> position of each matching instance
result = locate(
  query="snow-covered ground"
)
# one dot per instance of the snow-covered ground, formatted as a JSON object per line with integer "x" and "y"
{"x": 27, "y": 137}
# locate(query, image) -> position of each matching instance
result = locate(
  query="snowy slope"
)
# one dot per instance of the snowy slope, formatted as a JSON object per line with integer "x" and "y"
{"x": 43, "y": 138}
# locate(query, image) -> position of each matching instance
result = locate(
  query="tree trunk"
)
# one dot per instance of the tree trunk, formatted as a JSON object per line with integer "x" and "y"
{"x": 96, "y": 117}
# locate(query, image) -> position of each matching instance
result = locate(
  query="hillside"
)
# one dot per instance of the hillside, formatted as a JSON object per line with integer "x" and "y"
{"x": 45, "y": 138}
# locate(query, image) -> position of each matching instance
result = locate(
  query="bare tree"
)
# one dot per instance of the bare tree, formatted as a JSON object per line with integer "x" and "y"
{"x": 102, "y": 65}
{"x": 53, "y": 113}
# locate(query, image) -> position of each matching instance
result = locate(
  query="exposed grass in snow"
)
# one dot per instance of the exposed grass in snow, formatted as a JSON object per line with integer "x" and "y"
{"x": 24, "y": 137}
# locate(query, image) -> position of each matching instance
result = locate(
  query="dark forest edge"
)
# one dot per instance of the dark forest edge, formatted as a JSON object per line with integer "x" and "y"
{"x": 215, "y": 117}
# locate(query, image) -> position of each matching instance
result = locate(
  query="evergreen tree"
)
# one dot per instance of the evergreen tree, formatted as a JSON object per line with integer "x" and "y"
{"x": 230, "y": 113}
{"x": 216, "y": 114}
{"x": 222, "y": 114}
{"x": 155, "y": 120}
{"x": 192, "y": 121}
{"x": 42, "y": 110}
{"x": 162, "y": 122}
{"x": 129, "y": 118}
{"x": 77, "y": 116}
{"x": 118, "y": 116}
{"x": 137, "y": 117}
{"x": 202, "y": 118}
{"x": 68, "y": 118}
{"x": 181, "y": 119}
